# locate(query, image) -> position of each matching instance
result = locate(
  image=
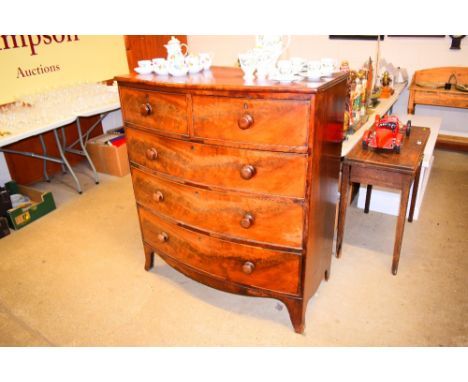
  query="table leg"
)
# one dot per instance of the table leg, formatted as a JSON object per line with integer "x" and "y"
{"x": 344, "y": 191}
{"x": 65, "y": 162}
{"x": 415, "y": 193}
{"x": 85, "y": 153}
{"x": 368, "y": 197}
{"x": 64, "y": 145}
{"x": 400, "y": 224}
{"x": 44, "y": 151}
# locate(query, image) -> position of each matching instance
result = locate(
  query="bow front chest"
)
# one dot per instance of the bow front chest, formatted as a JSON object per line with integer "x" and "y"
{"x": 236, "y": 182}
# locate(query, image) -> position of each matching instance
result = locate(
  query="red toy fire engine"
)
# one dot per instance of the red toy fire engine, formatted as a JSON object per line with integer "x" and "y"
{"x": 386, "y": 134}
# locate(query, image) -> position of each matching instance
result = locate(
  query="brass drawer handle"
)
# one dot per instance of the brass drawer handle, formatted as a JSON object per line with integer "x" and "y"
{"x": 247, "y": 220}
{"x": 158, "y": 196}
{"x": 245, "y": 121}
{"x": 163, "y": 237}
{"x": 151, "y": 154}
{"x": 248, "y": 267}
{"x": 146, "y": 109}
{"x": 248, "y": 171}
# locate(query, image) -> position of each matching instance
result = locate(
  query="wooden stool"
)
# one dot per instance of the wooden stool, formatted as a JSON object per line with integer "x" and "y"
{"x": 385, "y": 169}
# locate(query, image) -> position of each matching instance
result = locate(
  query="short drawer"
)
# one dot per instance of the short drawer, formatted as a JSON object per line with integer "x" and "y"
{"x": 239, "y": 169}
{"x": 277, "y": 221}
{"x": 248, "y": 265}
{"x": 165, "y": 112}
{"x": 253, "y": 121}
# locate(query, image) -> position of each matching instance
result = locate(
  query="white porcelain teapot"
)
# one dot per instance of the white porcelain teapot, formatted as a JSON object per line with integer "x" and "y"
{"x": 275, "y": 44}
{"x": 174, "y": 50}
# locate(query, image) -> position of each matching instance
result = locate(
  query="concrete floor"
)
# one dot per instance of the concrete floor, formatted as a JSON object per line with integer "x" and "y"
{"x": 76, "y": 278}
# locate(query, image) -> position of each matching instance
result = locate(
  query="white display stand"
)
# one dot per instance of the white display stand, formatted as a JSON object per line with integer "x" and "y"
{"x": 387, "y": 201}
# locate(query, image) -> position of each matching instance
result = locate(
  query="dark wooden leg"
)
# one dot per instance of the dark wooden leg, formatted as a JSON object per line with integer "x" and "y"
{"x": 343, "y": 205}
{"x": 296, "y": 309}
{"x": 149, "y": 257}
{"x": 415, "y": 193}
{"x": 355, "y": 187}
{"x": 400, "y": 225}
{"x": 368, "y": 197}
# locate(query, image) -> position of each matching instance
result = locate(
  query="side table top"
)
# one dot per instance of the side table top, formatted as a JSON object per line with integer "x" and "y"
{"x": 411, "y": 152}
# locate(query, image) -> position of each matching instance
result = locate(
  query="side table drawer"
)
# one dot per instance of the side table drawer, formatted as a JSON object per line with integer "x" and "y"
{"x": 273, "y": 221}
{"x": 253, "y": 121}
{"x": 165, "y": 112}
{"x": 237, "y": 169}
{"x": 251, "y": 266}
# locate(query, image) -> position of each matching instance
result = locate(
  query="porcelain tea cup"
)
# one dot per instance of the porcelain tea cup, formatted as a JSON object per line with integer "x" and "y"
{"x": 313, "y": 65}
{"x": 248, "y": 64}
{"x": 160, "y": 66}
{"x": 144, "y": 69}
{"x": 193, "y": 63}
{"x": 285, "y": 67}
{"x": 177, "y": 68}
{"x": 206, "y": 60}
{"x": 297, "y": 64}
{"x": 144, "y": 63}
{"x": 328, "y": 66}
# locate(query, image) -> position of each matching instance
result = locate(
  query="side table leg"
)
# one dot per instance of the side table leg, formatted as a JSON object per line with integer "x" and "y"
{"x": 368, "y": 197}
{"x": 343, "y": 206}
{"x": 400, "y": 225}
{"x": 415, "y": 193}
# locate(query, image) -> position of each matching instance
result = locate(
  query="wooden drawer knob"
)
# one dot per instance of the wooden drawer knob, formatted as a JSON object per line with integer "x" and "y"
{"x": 245, "y": 121}
{"x": 145, "y": 109}
{"x": 151, "y": 154}
{"x": 247, "y": 171}
{"x": 247, "y": 220}
{"x": 158, "y": 196}
{"x": 248, "y": 267}
{"x": 163, "y": 237}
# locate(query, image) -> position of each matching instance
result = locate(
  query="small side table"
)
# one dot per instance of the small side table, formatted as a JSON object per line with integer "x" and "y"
{"x": 385, "y": 169}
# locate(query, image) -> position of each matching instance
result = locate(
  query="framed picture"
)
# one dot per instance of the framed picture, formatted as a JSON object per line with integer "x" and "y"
{"x": 418, "y": 35}
{"x": 355, "y": 37}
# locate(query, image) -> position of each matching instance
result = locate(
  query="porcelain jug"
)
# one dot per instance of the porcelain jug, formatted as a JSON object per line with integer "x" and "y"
{"x": 174, "y": 50}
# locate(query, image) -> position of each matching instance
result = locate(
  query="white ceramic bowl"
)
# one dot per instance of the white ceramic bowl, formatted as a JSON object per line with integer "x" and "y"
{"x": 145, "y": 70}
{"x": 195, "y": 68}
{"x": 177, "y": 72}
{"x": 144, "y": 63}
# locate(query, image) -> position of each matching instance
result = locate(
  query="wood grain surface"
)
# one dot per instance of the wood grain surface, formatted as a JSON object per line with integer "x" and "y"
{"x": 273, "y": 270}
{"x": 167, "y": 112}
{"x": 276, "y": 221}
{"x": 275, "y": 122}
{"x": 275, "y": 173}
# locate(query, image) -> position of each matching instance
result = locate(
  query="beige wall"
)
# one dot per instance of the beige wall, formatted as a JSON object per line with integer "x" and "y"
{"x": 410, "y": 53}
{"x": 85, "y": 58}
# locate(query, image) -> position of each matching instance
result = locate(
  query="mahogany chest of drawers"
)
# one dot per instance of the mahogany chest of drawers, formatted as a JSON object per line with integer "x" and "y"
{"x": 236, "y": 183}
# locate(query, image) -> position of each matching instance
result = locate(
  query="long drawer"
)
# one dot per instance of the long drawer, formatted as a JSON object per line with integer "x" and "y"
{"x": 239, "y": 169}
{"x": 251, "y": 266}
{"x": 277, "y": 221}
{"x": 269, "y": 122}
{"x": 165, "y": 112}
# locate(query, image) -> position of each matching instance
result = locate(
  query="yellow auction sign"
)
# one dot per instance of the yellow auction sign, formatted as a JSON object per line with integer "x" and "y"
{"x": 34, "y": 63}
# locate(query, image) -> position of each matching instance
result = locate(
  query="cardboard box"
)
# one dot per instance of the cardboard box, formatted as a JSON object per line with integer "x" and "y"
{"x": 108, "y": 158}
{"x": 42, "y": 204}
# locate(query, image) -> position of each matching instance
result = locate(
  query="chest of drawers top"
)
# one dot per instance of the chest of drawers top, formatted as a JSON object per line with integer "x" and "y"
{"x": 229, "y": 79}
